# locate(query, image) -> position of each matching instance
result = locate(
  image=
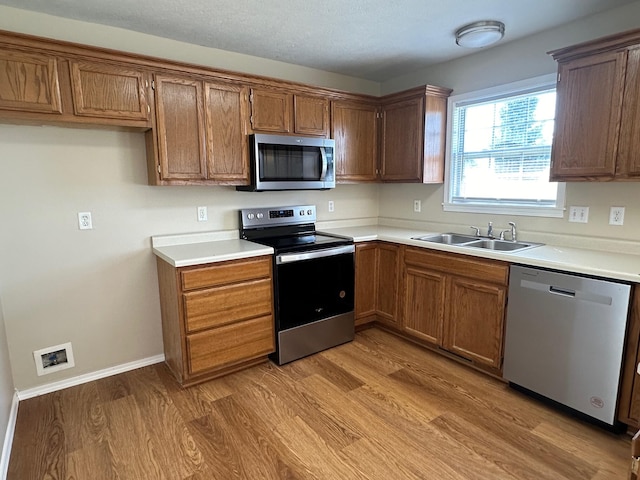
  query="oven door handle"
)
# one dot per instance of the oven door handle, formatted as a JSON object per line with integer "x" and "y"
{"x": 327, "y": 252}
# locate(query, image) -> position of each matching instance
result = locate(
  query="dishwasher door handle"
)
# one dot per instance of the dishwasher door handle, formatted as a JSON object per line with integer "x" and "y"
{"x": 562, "y": 291}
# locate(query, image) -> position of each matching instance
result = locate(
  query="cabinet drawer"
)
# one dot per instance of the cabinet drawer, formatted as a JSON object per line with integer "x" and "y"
{"x": 227, "y": 304}
{"x": 225, "y": 273}
{"x": 487, "y": 270}
{"x": 230, "y": 344}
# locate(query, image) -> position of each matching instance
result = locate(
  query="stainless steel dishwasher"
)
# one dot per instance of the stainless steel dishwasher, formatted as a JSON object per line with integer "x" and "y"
{"x": 565, "y": 337}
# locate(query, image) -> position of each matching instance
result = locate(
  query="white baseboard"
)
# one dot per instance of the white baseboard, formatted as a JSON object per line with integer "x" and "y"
{"x": 8, "y": 437}
{"x": 88, "y": 377}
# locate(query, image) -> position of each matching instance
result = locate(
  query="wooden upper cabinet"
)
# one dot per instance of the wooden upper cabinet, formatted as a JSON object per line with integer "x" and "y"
{"x": 354, "y": 127}
{"x": 597, "y": 132}
{"x": 271, "y": 111}
{"x": 276, "y": 111}
{"x": 180, "y": 128}
{"x": 413, "y": 135}
{"x": 311, "y": 115}
{"x": 629, "y": 142}
{"x": 29, "y": 82}
{"x": 109, "y": 91}
{"x": 588, "y": 113}
{"x": 226, "y": 109}
{"x": 402, "y": 140}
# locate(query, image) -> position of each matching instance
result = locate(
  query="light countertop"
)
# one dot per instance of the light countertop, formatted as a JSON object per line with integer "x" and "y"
{"x": 210, "y": 247}
{"x": 617, "y": 266}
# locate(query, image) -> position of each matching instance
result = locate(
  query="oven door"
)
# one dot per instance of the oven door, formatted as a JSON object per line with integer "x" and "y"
{"x": 313, "y": 285}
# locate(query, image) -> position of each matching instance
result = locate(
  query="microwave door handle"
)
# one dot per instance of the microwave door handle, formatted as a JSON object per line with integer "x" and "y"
{"x": 323, "y": 154}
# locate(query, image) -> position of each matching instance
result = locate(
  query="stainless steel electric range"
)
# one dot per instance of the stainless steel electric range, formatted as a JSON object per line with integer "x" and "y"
{"x": 313, "y": 279}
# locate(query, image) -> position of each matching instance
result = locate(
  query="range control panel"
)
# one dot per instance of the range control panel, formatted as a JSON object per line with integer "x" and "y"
{"x": 275, "y": 216}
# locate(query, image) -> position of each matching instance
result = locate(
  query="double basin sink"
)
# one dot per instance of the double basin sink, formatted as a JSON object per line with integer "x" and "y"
{"x": 460, "y": 240}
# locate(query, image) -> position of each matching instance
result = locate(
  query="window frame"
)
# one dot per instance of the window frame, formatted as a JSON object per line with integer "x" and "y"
{"x": 511, "y": 89}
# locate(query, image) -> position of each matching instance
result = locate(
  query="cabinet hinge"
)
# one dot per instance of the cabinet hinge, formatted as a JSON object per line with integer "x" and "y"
{"x": 148, "y": 109}
{"x": 559, "y": 76}
{"x": 153, "y": 84}
{"x": 251, "y": 97}
{"x": 251, "y": 120}
{"x": 159, "y": 169}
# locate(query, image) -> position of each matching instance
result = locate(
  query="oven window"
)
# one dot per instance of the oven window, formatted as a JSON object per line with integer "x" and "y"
{"x": 311, "y": 290}
{"x": 289, "y": 162}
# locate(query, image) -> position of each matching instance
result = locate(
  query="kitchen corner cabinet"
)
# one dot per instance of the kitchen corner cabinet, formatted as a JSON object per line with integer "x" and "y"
{"x": 597, "y": 133}
{"x": 413, "y": 135}
{"x": 275, "y": 111}
{"x": 377, "y": 283}
{"x": 216, "y": 318}
{"x": 354, "y": 127}
{"x": 199, "y": 133}
{"x": 456, "y": 303}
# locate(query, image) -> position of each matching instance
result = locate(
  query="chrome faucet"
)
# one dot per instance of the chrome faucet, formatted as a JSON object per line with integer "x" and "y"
{"x": 477, "y": 230}
{"x": 513, "y": 231}
{"x": 490, "y": 230}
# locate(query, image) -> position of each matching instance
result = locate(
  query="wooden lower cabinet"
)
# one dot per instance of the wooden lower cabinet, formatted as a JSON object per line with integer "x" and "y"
{"x": 216, "y": 318}
{"x": 377, "y": 282}
{"x": 457, "y": 303}
{"x": 629, "y": 403}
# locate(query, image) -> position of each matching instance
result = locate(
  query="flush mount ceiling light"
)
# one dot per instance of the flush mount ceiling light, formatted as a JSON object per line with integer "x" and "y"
{"x": 480, "y": 34}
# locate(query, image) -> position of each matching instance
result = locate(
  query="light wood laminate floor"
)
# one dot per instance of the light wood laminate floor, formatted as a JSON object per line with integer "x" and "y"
{"x": 376, "y": 408}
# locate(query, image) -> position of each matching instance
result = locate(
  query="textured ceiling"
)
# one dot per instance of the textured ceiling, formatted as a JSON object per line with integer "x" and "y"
{"x": 371, "y": 39}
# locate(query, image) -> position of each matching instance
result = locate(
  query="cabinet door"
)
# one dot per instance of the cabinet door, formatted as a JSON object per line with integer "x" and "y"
{"x": 354, "y": 128}
{"x": 311, "y": 115}
{"x": 629, "y": 144}
{"x": 271, "y": 111}
{"x": 402, "y": 140}
{"x": 29, "y": 83}
{"x": 227, "y": 147}
{"x": 387, "y": 270}
{"x": 365, "y": 302}
{"x": 475, "y": 320}
{"x": 180, "y": 124}
{"x": 424, "y": 301}
{"x": 108, "y": 91}
{"x": 629, "y": 404}
{"x": 588, "y": 112}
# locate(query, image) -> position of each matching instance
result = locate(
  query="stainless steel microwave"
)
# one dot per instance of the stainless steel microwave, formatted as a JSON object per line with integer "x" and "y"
{"x": 281, "y": 162}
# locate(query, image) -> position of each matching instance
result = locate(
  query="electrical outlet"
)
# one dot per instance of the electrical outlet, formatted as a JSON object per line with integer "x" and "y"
{"x": 84, "y": 221}
{"x": 417, "y": 206}
{"x": 331, "y": 206}
{"x": 616, "y": 216}
{"x": 202, "y": 214}
{"x": 579, "y": 214}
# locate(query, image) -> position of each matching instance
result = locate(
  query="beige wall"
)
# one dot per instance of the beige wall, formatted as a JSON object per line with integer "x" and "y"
{"x": 519, "y": 59}
{"x": 6, "y": 381}
{"x": 507, "y": 63}
{"x": 22, "y": 21}
{"x": 98, "y": 288}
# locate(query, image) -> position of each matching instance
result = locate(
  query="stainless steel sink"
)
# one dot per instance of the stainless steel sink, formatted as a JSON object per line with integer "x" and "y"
{"x": 448, "y": 238}
{"x": 461, "y": 240}
{"x": 501, "y": 245}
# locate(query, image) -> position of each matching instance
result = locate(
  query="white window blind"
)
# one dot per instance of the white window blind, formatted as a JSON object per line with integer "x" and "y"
{"x": 500, "y": 152}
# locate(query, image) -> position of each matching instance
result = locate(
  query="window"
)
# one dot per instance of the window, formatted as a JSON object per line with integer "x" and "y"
{"x": 500, "y": 151}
